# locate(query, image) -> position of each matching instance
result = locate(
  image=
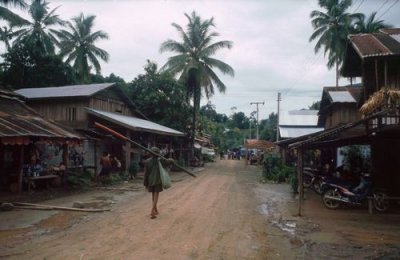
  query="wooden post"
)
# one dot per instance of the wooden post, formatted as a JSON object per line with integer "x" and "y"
{"x": 386, "y": 71}
{"x": 283, "y": 151}
{"x": 128, "y": 151}
{"x": 65, "y": 154}
{"x": 95, "y": 158}
{"x": 300, "y": 177}
{"x": 376, "y": 75}
{"x": 20, "y": 168}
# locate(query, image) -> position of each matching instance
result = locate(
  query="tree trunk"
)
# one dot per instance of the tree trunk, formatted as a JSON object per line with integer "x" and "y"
{"x": 337, "y": 71}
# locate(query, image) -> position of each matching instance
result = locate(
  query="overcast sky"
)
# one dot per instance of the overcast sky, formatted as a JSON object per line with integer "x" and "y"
{"x": 271, "y": 51}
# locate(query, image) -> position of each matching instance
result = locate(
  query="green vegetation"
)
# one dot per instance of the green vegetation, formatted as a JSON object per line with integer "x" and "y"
{"x": 274, "y": 170}
{"x": 78, "y": 45}
{"x": 134, "y": 168}
{"x": 8, "y": 15}
{"x": 194, "y": 61}
{"x": 159, "y": 96}
{"x": 355, "y": 160}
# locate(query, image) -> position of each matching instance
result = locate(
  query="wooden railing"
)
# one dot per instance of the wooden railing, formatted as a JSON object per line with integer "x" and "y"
{"x": 383, "y": 121}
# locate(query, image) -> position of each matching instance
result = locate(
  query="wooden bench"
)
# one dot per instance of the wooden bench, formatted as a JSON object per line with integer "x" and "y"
{"x": 31, "y": 180}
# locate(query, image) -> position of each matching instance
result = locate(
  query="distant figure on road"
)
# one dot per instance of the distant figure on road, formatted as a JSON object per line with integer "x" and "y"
{"x": 152, "y": 178}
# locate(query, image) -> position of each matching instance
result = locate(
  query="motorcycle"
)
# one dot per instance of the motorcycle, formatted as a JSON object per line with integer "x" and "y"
{"x": 313, "y": 179}
{"x": 335, "y": 195}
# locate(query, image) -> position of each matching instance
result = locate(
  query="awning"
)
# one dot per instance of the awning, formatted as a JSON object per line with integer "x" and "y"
{"x": 350, "y": 133}
{"x": 134, "y": 123}
{"x": 291, "y": 132}
{"x": 19, "y": 123}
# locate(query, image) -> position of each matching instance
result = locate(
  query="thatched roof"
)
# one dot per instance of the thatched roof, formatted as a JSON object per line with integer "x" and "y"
{"x": 381, "y": 98}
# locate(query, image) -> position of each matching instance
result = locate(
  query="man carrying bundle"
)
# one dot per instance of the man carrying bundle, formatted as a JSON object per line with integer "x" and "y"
{"x": 156, "y": 177}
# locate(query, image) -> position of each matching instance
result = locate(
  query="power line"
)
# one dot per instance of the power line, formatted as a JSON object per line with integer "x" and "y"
{"x": 257, "y": 103}
{"x": 362, "y": 1}
{"x": 387, "y": 10}
{"x": 382, "y": 5}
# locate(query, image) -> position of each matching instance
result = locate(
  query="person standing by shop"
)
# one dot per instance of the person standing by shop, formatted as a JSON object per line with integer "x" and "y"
{"x": 152, "y": 178}
{"x": 105, "y": 163}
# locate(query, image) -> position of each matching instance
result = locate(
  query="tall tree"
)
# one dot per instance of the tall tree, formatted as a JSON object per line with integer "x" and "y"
{"x": 331, "y": 29}
{"x": 78, "y": 45}
{"x": 369, "y": 25}
{"x": 25, "y": 66}
{"x": 194, "y": 61}
{"x": 159, "y": 96}
{"x": 7, "y": 34}
{"x": 40, "y": 31}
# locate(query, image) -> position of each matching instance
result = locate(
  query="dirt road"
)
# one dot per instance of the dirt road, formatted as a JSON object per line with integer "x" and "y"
{"x": 224, "y": 213}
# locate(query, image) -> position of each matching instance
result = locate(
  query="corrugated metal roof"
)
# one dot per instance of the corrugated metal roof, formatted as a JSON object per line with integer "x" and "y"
{"x": 64, "y": 91}
{"x": 298, "y": 118}
{"x": 384, "y": 43}
{"x": 258, "y": 144}
{"x": 134, "y": 123}
{"x": 390, "y": 30}
{"x": 292, "y": 132}
{"x": 18, "y": 120}
{"x": 341, "y": 97}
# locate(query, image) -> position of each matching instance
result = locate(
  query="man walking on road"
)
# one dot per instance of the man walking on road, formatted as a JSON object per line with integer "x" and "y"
{"x": 152, "y": 178}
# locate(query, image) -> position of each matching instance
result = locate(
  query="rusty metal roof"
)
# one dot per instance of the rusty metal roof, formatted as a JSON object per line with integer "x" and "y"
{"x": 259, "y": 144}
{"x": 384, "y": 43}
{"x": 64, "y": 91}
{"x": 18, "y": 120}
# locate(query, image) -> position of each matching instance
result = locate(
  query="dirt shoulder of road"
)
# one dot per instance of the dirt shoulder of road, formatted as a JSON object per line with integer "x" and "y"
{"x": 321, "y": 233}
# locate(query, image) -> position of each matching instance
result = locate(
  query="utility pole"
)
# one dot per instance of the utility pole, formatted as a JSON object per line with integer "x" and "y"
{"x": 277, "y": 117}
{"x": 257, "y": 103}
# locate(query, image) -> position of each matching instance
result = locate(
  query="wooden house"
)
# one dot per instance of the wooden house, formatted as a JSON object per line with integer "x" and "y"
{"x": 23, "y": 132}
{"x": 339, "y": 105}
{"x": 375, "y": 57}
{"x": 80, "y": 106}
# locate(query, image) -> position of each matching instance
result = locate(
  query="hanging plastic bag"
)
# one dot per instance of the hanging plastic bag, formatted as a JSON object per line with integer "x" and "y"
{"x": 165, "y": 179}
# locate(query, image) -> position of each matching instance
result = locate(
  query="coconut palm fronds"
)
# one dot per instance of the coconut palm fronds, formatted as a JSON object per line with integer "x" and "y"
{"x": 385, "y": 97}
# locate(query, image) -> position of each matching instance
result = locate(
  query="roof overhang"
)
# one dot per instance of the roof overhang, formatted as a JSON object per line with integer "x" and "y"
{"x": 292, "y": 132}
{"x": 347, "y": 134}
{"x": 134, "y": 123}
{"x": 19, "y": 124}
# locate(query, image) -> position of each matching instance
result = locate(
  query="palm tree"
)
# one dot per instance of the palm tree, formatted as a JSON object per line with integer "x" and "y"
{"x": 194, "y": 61}
{"x": 7, "y": 34}
{"x": 8, "y": 15}
{"x": 78, "y": 45}
{"x": 331, "y": 29}
{"x": 370, "y": 25}
{"x": 39, "y": 31}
